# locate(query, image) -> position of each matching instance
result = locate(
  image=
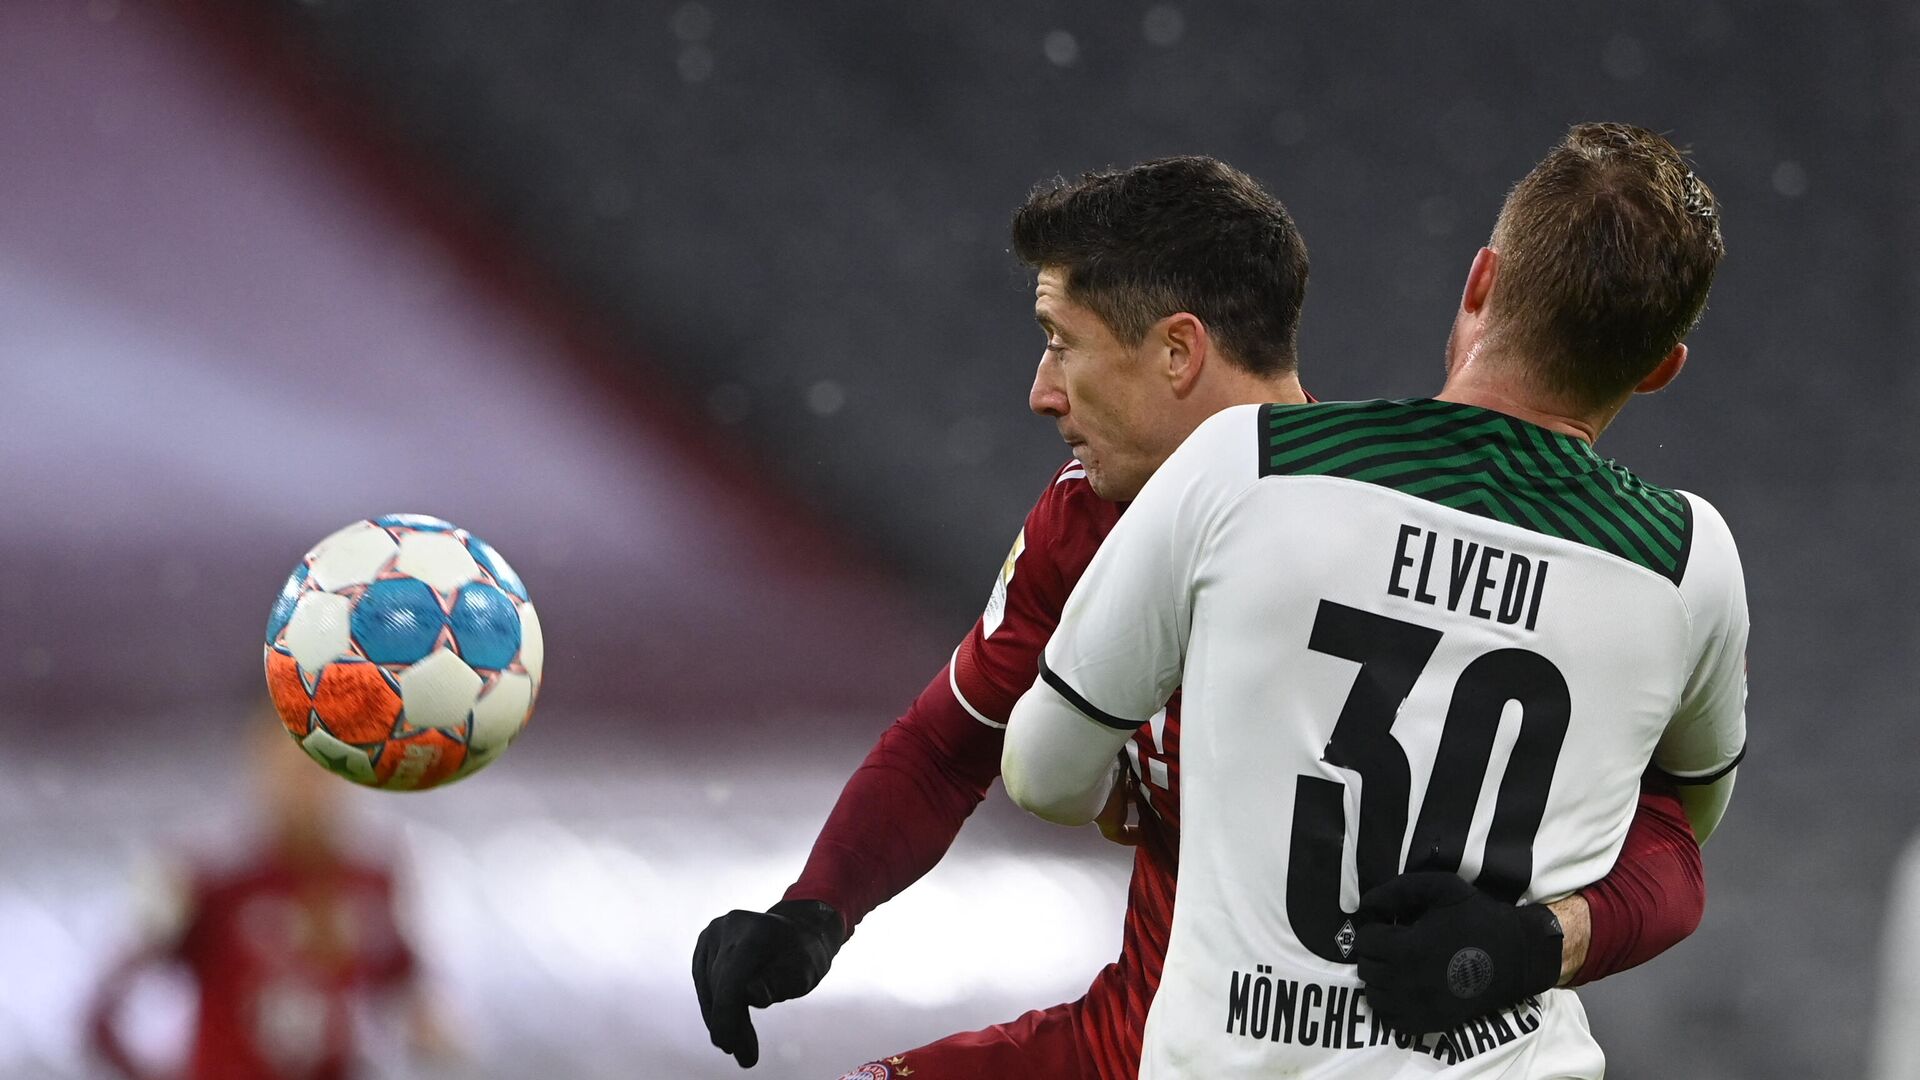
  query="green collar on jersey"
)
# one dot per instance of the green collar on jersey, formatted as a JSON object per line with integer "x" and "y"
{"x": 1486, "y": 463}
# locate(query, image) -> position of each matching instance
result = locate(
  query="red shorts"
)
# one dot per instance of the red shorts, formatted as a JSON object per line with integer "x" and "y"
{"x": 1043, "y": 1043}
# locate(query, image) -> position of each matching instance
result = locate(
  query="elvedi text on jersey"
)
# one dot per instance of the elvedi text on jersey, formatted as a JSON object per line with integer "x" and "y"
{"x": 1472, "y": 571}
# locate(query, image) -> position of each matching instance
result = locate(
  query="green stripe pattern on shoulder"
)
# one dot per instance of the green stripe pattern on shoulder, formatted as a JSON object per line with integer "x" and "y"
{"x": 1486, "y": 463}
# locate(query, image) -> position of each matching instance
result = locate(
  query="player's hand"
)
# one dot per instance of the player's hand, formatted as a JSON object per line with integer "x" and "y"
{"x": 1435, "y": 952}
{"x": 754, "y": 958}
{"x": 1113, "y": 819}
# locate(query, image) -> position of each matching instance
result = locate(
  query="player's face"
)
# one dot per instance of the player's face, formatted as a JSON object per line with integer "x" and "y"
{"x": 1111, "y": 401}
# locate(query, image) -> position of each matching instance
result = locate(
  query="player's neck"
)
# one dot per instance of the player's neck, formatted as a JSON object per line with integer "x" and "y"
{"x": 1492, "y": 382}
{"x": 305, "y": 853}
{"x": 1250, "y": 389}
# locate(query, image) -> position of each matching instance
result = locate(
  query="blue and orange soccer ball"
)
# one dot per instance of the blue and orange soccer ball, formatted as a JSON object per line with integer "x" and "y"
{"x": 403, "y": 653}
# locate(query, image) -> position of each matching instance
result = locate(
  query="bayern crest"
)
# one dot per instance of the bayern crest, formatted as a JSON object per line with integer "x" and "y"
{"x": 872, "y": 1070}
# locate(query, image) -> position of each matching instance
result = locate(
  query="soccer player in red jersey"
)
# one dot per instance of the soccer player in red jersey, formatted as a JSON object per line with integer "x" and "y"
{"x": 280, "y": 946}
{"x": 1116, "y": 254}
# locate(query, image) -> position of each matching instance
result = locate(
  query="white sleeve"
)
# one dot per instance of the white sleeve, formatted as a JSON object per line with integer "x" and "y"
{"x": 1707, "y": 736}
{"x": 1056, "y": 763}
{"x": 1117, "y": 654}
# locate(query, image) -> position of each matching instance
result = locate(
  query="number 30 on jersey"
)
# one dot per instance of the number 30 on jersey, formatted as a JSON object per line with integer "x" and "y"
{"x": 1392, "y": 653}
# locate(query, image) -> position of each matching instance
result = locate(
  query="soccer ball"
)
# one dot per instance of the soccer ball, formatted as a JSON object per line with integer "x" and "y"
{"x": 403, "y": 653}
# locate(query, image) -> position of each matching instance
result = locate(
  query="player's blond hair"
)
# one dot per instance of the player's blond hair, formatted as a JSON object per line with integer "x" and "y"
{"x": 1607, "y": 250}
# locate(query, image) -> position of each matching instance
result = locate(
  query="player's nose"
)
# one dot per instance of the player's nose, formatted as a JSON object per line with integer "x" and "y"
{"x": 1048, "y": 397}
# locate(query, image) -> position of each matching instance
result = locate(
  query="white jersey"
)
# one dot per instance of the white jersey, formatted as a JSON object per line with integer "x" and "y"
{"x": 1410, "y": 635}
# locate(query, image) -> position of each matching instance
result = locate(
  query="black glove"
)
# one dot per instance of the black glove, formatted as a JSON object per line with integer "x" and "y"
{"x": 1435, "y": 952}
{"x": 757, "y": 958}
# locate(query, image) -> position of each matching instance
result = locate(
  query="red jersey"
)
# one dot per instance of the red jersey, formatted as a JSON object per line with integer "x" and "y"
{"x": 278, "y": 954}
{"x": 907, "y": 801}
{"x": 998, "y": 661}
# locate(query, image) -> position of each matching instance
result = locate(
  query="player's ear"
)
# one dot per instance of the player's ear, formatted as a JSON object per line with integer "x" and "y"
{"x": 1668, "y": 370}
{"x": 1480, "y": 277}
{"x": 1186, "y": 345}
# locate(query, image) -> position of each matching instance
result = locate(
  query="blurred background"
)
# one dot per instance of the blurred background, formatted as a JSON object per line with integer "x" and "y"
{"x": 702, "y": 313}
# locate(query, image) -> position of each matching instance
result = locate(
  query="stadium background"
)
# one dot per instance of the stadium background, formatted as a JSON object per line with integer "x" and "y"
{"x": 702, "y": 313}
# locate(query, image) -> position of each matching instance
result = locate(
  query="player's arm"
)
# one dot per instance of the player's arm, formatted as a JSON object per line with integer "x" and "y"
{"x": 1705, "y": 804}
{"x": 1707, "y": 737}
{"x": 1119, "y": 651}
{"x": 903, "y": 806}
{"x": 894, "y": 820}
{"x": 1649, "y": 902}
{"x": 1656, "y": 893}
{"x": 1060, "y": 764}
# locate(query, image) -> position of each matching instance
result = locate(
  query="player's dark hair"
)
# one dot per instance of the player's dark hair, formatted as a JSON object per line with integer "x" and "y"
{"x": 1178, "y": 234}
{"x": 1607, "y": 250}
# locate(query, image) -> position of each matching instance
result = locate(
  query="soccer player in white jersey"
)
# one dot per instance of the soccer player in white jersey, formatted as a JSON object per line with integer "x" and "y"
{"x": 1436, "y": 636}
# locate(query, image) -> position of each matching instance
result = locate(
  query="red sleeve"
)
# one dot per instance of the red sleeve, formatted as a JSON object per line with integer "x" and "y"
{"x": 903, "y": 806}
{"x": 1000, "y": 657}
{"x": 906, "y": 802}
{"x": 1654, "y": 895}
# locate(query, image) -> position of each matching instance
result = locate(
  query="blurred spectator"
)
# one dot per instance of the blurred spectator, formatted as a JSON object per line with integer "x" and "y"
{"x": 282, "y": 945}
